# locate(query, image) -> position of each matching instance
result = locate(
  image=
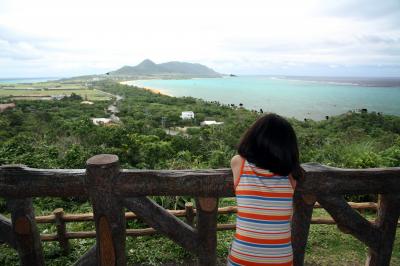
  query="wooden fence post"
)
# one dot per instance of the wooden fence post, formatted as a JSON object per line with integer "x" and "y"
{"x": 109, "y": 216}
{"x": 386, "y": 222}
{"x": 189, "y": 213}
{"x": 61, "y": 230}
{"x": 26, "y": 234}
{"x": 89, "y": 258}
{"x": 207, "y": 210}
{"x": 302, "y": 212}
{"x": 6, "y": 232}
{"x": 164, "y": 222}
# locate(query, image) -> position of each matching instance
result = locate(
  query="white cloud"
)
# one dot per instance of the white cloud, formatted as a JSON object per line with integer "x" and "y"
{"x": 82, "y": 37}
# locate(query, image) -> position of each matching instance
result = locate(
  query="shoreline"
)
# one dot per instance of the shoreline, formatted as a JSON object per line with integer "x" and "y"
{"x": 151, "y": 89}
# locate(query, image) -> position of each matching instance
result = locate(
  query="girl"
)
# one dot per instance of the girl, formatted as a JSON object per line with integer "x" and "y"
{"x": 264, "y": 186}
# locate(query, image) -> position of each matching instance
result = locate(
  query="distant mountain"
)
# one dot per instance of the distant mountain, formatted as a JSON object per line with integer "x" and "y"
{"x": 174, "y": 69}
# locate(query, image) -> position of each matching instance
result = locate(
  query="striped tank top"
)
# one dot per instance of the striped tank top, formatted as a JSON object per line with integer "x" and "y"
{"x": 263, "y": 223}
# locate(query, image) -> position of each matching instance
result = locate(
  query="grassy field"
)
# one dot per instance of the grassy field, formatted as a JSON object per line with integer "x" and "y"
{"x": 326, "y": 246}
{"x": 89, "y": 94}
{"x": 47, "y": 89}
{"x": 52, "y": 85}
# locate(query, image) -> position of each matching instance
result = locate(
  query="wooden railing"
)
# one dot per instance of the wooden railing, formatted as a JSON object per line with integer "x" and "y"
{"x": 60, "y": 218}
{"x": 111, "y": 189}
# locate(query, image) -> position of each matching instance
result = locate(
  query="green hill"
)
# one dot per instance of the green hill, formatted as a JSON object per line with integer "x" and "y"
{"x": 182, "y": 69}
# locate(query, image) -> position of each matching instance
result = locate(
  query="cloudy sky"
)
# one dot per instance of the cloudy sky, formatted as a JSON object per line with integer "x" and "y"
{"x": 44, "y": 38}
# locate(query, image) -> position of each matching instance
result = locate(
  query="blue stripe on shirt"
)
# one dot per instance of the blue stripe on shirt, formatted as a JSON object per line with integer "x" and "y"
{"x": 263, "y": 245}
{"x": 262, "y": 222}
{"x": 264, "y": 198}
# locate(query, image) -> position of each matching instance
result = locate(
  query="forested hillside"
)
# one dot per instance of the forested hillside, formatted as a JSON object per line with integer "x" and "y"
{"x": 149, "y": 68}
{"x": 60, "y": 134}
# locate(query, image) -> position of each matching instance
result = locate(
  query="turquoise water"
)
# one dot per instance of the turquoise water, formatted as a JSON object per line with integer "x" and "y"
{"x": 291, "y": 98}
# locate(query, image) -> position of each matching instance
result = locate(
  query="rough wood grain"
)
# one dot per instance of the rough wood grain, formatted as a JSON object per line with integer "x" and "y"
{"x": 109, "y": 216}
{"x": 151, "y": 231}
{"x": 129, "y": 232}
{"x": 207, "y": 230}
{"x": 92, "y": 234}
{"x": 22, "y": 225}
{"x": 89, "y": 258}
{"x": 164, "y": 222}
{"x": 216, "y": 183}
{"x": 61, "y": 230}
{"x": 189, "y": 213}
{"x": 309, "y": 199}
{"x": 207, "y": 204}
{"x": 302, "y": 213}
{"x": 84, "y": 217}
{"x": 357, "y": 205}
{"x": 107, "y": 250}
{"x": 350, "y": 220}
{"x": 321, "y": 179}
{"x": 6, "y": 232}
{"x": 386, "y": 222}
{"x": 81, "y": 217}
{"x": 26, "y": 234}
{"x": 20, "y": 181}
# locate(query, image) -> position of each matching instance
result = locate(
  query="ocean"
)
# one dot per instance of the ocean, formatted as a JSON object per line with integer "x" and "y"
{"x": 26, "y": 80}
{"x": 298, "y": 97}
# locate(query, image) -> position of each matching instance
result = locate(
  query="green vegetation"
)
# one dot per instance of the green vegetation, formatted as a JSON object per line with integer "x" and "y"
{"x": 32, "y": 91}
{"x": 60, "y": 134}
{"x": 149, "y": 69}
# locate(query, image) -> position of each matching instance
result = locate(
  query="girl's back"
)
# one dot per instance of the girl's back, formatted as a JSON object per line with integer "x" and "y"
{"x": 263, "y": 232}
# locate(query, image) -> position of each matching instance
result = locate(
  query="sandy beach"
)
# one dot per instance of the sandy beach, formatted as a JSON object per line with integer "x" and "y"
{"x": 153, "y": 90}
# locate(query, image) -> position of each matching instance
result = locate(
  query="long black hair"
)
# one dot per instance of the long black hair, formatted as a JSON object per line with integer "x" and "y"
{"x": 271, "y": 143}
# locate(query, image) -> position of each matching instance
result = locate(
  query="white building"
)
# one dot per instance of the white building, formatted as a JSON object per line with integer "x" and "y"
{"x": 187, "y": 115}
{"x": 101, "y": 121}
{"x": 210, "y": 122}
{"x": 115, "y": 119}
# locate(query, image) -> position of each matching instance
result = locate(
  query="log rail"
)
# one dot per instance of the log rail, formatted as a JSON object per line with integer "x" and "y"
{"x": 189, "y": 213}
{"x": 111, "y": 189}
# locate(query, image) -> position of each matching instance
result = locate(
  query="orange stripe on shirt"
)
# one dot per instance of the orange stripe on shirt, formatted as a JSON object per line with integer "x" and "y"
{"x": 264, "y": 194}
{"x": 263, "y": 241}
{"x": 264, "y": 217}
{"x": 259, "y": 174}
{"x": 267, "y": 209}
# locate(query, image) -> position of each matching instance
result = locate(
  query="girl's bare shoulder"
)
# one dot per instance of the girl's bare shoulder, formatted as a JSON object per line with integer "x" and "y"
{"x": 236, "y": 161}
{"x": 236, "y": 164}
